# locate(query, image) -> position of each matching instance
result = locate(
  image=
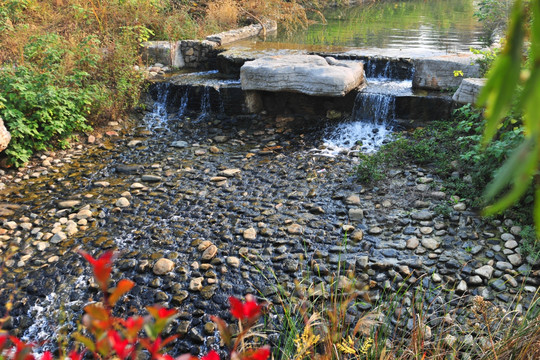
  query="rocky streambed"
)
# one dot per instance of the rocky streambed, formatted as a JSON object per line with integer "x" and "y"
{"x": 199, "y": 209}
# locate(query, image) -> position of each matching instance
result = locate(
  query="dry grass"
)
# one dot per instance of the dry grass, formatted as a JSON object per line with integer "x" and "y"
{"x": 224, "y": 13}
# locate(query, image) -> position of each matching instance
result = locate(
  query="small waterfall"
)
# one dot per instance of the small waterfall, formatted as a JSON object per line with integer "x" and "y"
{"x": 183, "y": 104}
{"x": 368, "y": 129}
{"x": 206, "y": 108}
{"x": 377, "y": 108}
{"x": 157, "y": 118}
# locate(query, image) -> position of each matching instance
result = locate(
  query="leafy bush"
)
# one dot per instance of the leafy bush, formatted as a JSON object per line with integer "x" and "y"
{"x": 40, "y": 113}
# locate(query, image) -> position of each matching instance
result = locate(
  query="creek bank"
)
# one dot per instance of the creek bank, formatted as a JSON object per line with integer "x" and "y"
{"x": 212, "y": 205}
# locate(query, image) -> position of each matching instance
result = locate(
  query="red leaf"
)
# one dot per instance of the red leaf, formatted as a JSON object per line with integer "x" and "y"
{"x": 3, "y": 341}
{"x": 47, "y": 355}
{"x": 212, "y": 355}
{"x": 250, "y": 310}
{"x": 133, "y": 326}
{"x": 123, "y": 287}
{"x": 260, "y": 354}
{"x": 102, "y": 267}
{"x": 74, "y": 355}
{"x": 237, "y": 308}
{"x": 165, "y": 313}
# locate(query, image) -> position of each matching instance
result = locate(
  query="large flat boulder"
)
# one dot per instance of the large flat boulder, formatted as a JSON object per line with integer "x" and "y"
{"x": 437, "y": 73}
{"x": 306, "y": 74}
{"x": 468, "y": 91}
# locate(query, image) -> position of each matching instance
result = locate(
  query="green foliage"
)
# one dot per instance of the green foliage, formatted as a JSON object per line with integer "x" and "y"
{"x": 528, "y": 244}
{"x": 40, "y": 108}
{"x": 39, "y": 113}
{"x": 446, "y": 147}
{"x": 486, "y": 61}
{"x": 493, "y": 14}
{"x": 500, "y": 94}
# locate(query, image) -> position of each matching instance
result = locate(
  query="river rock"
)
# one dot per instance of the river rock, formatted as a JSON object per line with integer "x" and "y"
{"x": 229, "y": 172}
{"x": 250, "y": 234}
{"x": 68, "y": 204}
{"x": 356, "y": 214}
{"x": 430, "y": 243}
{"x": 422, "y": 215}
{"x": 437, "y": 73}
{"x": 209, "y": 253}
{"x": 5, "y": 136}
{"x": 306, "y": 74}
{"x": 122, "y": 202}
{"x": 295, "y": 229}
{"x": 163, "y": 266}
{"x": 515, "y": 259}
{"x": 150, "y": 178}
{"x": 58, "y": 237}
{"x": 179, "y": 144}
{"x": 485, "y": 271}
{"x": 468, "y": 91}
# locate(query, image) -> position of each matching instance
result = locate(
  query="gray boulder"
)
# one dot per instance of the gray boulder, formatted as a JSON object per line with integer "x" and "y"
{"x": 437, "y": 73}
{"x": 306, "y": 74}
{"x": 468, "y": 91}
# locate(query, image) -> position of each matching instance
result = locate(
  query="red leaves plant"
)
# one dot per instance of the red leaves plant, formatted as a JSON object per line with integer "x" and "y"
{"x": 115, "y": 338}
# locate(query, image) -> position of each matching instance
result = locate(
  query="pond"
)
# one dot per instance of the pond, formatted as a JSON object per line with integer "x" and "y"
{"x": 443, "y": 25}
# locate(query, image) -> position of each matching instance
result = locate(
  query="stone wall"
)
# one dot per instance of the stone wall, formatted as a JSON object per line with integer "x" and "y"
{"x": 198, "y": 54}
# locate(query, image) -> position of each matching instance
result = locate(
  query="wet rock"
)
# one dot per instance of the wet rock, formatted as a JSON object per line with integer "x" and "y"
{"x": 196, "y": 284}
{"x": 356, "y": 214}
{"x": 129, "y": 169}
{"x": 122, "y": 202}
{"x": 163, "y": 266}
{"x": 422, "y": 215}
{"x": 179, "y": 144}
{"x": 151, "y": 178}
{"x": 250, "y": 234}
{"x": 84, "y": 214}
{"x": 68, "y": 204}
{"x": 295, "y": 229}
{"x": 58, "y": 238}
{"x": 209, "y": 253}
{"x": 430, "y": 243}
{"x": 485, "y": 271}
{"x": 102, "y": 184}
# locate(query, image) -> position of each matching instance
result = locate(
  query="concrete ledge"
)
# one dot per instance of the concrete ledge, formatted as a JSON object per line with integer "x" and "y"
{"x": 437, "y": 73}
{"x": 245, "y": 32}
{"x": 468, "y": 91}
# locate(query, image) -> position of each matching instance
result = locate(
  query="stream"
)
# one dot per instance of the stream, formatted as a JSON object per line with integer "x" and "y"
{"x": 273, "y": 195}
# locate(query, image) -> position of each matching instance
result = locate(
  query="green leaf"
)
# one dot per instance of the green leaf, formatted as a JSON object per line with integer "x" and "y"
{"x": 518, "y": 169}
{"x": 503, "y": 78}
